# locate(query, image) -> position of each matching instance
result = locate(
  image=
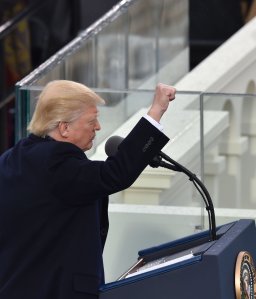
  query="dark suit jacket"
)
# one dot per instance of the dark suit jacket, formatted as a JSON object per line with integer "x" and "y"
{"x": 53, "y": 212}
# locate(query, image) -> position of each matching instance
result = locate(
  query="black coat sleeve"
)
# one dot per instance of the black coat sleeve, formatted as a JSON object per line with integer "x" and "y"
{"x": 79, "y": 180}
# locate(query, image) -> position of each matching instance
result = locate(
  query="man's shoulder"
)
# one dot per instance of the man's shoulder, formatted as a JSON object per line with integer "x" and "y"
{"x": 35, "y": 148}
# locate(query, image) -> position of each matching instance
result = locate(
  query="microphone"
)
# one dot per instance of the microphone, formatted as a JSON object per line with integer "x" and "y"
{"x": 112, "y": 145}
{"x": 111, "y": 148}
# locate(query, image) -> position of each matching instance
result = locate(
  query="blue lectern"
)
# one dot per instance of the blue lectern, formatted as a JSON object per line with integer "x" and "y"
{"x": 192, "y": 267}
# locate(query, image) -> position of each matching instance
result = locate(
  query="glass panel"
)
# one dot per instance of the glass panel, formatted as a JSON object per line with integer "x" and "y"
{"x": 172, "y": 38}
{"x": 112, "y": 55}
{"x": 181, "y": 124}
{"x": 230, "y": 155}
{"x": 122, "y": 50}
{"x": 222, "y": 154}
{"x": 142, "y": 41}
{"x": 81, "y": 67}
{"x": 212, "y": 135}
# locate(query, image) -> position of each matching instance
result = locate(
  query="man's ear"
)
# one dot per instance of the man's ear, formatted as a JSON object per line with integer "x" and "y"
{"x": 64, "y": 129}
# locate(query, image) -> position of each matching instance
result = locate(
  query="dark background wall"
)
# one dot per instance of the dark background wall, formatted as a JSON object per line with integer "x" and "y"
{"x": 212, "y": 22}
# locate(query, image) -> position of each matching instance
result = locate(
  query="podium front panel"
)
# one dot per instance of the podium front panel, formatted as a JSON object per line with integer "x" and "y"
{"x": 200, "y": 269}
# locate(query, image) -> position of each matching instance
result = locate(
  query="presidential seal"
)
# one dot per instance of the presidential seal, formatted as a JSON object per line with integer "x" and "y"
{"x": 245, "y": 276}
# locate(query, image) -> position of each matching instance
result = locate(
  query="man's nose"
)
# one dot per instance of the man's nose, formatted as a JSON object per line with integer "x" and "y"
{"x": 97, "y": 126}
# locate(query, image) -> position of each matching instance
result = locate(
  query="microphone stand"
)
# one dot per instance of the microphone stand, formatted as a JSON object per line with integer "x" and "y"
{"x": 175, "y": 166}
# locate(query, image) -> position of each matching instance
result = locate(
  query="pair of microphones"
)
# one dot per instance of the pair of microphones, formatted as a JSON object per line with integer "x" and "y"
{"x": 111, "y": 148}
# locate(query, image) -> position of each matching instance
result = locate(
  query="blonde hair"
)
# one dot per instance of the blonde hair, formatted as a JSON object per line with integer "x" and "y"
{"x": 61, "y": 100}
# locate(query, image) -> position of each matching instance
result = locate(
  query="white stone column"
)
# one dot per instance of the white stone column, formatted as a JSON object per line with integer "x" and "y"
{"x": 252, "y": 149}
{"x": 214, "y": 165}
{"x": 231, "y": 181}
{"x": 249, "y": 129}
